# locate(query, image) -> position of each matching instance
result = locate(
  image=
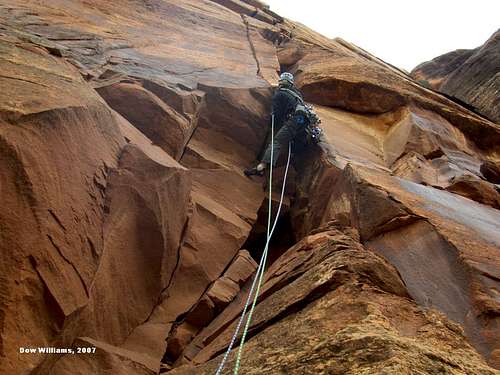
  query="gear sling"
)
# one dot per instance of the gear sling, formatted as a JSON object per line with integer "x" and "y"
{"x": 303, "y": 118}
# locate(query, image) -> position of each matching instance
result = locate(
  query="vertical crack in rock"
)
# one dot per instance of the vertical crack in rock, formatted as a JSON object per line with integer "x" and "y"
{"x": 180, "y": 319}
{"x": 185, "y": 230}
{"x": 59, "y": 251}
{"x": 54, "y": 216}
{"x": 178, "y": 260}
{"x": 252, "y": 46}
{"x": 194, "y": 122}
{"x": 51, "y": 299}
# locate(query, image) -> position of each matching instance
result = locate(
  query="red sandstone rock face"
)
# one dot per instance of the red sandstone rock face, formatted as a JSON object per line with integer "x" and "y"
{"x": 59, "y": 142}
{"x": 468, "y": 75}
{"x": 328, "y": 284}
{"x": 433, "y": 73}
{"x": 124, "y": 130}
{"x": 161, "y": 124}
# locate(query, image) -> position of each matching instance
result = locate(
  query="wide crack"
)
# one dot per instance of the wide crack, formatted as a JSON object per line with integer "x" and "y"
{"x": 282, "y": 239}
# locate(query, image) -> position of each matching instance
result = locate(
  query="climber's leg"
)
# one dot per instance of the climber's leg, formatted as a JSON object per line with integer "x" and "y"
{"x": 284, "y": 135}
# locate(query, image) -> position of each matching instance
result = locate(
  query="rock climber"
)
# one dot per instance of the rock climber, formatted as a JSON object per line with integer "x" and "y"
{"x": 291, "y": 116}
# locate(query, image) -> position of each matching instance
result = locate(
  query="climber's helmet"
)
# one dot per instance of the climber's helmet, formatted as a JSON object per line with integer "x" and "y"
{"x": 286, "y": 79}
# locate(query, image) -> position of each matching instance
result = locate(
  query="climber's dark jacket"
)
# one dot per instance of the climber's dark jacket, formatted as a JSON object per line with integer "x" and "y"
{"x": 284, "y": 105}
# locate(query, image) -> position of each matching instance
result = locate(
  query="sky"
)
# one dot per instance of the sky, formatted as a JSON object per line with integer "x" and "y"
{"x": 403, "y": 33}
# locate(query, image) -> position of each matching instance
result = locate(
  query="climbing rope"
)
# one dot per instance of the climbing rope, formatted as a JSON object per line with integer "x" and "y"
{"x": 260, "y": 269}
{"x": 245, "y": 331}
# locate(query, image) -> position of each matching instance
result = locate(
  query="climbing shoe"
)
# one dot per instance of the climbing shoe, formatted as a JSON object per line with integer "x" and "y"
{"x": 253, "y": 172}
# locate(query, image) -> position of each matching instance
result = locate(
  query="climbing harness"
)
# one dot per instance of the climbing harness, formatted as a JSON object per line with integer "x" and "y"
{"x": 303, "y": 113}
{"x": 305, "y": 116}
{"x": 257, "y": 281}
{"x": 314, "y": 133}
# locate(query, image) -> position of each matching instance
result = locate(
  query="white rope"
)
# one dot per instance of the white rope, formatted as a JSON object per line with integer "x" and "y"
{"x": 260, "y": 270}
{"x": 249, "y": 319}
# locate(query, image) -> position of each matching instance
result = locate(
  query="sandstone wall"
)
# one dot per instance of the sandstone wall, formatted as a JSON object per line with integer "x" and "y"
{"x": 126, "y": 223}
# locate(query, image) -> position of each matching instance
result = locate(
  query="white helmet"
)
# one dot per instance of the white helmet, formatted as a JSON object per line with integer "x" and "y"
{"x": 286, "y": 78}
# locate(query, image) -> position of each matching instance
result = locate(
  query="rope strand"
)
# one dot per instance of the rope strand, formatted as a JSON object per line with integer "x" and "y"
{"x": 249, "y": 319}
{"x": 260, "y": 270}
{"x": 256, "y": 277}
